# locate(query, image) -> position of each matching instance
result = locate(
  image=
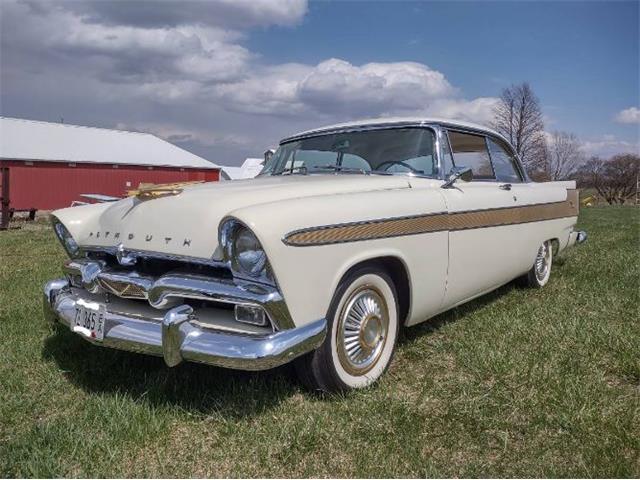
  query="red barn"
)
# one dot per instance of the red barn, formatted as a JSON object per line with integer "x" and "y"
{"x": 46, "y": 165}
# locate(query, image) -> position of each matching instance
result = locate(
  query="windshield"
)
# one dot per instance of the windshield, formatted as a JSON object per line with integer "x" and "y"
{"x": 386, "y": 151}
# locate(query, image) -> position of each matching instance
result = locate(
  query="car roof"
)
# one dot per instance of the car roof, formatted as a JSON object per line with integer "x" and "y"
{"x": 394, "y": 122}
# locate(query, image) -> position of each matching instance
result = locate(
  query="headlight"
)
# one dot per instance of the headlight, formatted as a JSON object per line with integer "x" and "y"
{"x": 66, "y": 239}
{"x": 243, "y": 250}
{"x": 248, "y": 252}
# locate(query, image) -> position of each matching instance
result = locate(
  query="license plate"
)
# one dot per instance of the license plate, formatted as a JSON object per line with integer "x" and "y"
{"x": 89, "y": 319}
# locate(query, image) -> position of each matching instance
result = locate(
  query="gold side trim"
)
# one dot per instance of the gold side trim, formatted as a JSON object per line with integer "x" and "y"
{"x": 435, "y": 222}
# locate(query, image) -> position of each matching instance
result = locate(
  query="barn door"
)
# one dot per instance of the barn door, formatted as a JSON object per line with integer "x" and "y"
{"x": 4, "y": 198}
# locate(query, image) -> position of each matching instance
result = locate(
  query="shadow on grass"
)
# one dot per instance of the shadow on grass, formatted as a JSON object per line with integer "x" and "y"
{"x": 197, "y": 389}
{"x": 202, "y": 389}
{"x": 449, "y": 316}
{"x": 454, "y": 314}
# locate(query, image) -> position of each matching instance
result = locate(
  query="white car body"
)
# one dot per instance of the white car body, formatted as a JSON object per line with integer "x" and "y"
{"x": 450, "y": 245}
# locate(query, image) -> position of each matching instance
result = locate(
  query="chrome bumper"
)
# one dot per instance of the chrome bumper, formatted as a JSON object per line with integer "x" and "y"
{"x": 176, "y": 338}
{"x": 577, "y": 237}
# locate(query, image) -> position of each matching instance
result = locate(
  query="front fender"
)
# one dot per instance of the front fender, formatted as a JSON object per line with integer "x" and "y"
{"x": 309, "y": 275}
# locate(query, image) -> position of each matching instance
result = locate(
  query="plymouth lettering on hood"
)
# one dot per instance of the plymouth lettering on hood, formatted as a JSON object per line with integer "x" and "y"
{"x": 148, "y": 237}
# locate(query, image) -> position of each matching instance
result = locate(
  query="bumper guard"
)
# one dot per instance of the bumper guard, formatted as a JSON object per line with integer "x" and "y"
{"x": 577, "y": 237}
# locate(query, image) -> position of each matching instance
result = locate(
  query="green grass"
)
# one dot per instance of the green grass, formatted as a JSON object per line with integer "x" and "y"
{"x": 518, "y": 383}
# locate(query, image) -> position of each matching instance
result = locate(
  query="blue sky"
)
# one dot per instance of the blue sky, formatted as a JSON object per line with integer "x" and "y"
{"x": 582, "y": 58}
{"x": 225, "y": 79}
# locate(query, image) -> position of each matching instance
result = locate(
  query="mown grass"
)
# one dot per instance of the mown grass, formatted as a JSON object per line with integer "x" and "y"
{"x": 518, "y": 383}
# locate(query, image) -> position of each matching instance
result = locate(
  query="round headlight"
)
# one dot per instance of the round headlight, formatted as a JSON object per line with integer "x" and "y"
{"x": 249, "y": 255}
{"x": 66, "y": 239}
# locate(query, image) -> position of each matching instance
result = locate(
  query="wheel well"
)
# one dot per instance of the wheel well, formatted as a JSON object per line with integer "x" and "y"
{"x": 395, "y": 268}
{"x": 555, "y": 245}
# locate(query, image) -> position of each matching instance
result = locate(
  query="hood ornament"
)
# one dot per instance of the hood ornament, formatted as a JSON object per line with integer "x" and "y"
{"x": 148, "y": 191}
{"x": 126, "y": 259}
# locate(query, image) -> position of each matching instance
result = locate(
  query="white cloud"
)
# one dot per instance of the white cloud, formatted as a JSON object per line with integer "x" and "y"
{"x": 229, "y": 14}
{"x": 608, "y": 145}
{"x": 179, "y": 134}
{"x": 337, "y": 86}
{"x": 604, "y": 146}
{"x": 479, "y": 110}
{"x": 109, "y": 63}
{"x": 270, "y": 90}
{"x": 628, "y": 115}
{"x": 207, "y": 54}
{"x": 338, "y": 89}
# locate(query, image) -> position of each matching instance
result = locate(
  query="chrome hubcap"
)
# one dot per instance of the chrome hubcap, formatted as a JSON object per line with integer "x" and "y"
{"x": 362, "y": 330}
{"x": 542, "y": 261}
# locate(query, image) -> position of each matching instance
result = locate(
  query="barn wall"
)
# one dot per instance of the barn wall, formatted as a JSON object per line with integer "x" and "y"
{"x": 51, "y": 185}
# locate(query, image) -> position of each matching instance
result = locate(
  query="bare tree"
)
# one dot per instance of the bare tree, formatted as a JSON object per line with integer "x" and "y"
{"x": 615, "y": 179}
{"x": 563, "y": 155}
{"x": 518, "y": 117}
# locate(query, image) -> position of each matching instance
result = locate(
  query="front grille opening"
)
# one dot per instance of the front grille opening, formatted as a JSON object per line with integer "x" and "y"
{"x": 157, "y": 267}
{"x": 75, "y": 281}
{"x": 122, "y": 289}
{"x": 196, "y": 304}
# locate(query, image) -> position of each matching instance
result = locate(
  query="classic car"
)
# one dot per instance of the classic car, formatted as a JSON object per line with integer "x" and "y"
{"x": 351, "y": 232}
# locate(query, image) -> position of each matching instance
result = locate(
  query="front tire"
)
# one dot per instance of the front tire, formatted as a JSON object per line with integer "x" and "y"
{"x": 540, "y": 272}
{"x": 363, "y": 326}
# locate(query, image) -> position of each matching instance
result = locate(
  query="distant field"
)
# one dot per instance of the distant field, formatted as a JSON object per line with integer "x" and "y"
{"x": 518, "y": 383}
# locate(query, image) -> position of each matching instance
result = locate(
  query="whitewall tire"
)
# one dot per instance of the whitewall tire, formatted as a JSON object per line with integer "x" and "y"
{"x": 363, "y": 327}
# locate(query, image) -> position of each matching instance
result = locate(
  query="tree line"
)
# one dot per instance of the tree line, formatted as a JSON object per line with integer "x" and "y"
{"x": 558, "y": 155}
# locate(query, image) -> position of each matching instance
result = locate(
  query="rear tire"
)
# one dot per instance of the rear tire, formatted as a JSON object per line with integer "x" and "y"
{"x": 540, "y": 272}
{"x": 363, "y": 325}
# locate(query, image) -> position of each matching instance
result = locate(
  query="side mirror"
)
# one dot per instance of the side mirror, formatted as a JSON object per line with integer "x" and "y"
{"x": 462, "y": 173}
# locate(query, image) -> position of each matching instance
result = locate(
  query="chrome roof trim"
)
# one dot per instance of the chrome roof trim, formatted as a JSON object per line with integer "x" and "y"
{"x": 353, "y": 128}
{"x": 371, "y": 124}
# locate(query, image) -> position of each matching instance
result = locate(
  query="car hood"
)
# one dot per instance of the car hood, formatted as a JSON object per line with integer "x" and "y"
{"x": 186, "y": 224}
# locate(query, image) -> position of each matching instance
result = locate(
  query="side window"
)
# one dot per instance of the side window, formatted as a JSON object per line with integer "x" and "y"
{"x": 447, "y": 158}
{"x": 471, "y": 151}
{"x": 503, "y": 163}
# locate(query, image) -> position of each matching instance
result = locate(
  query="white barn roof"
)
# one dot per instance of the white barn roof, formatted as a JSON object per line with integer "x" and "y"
{"x": 53, "y": 142}
{"x": 249, "y": 169}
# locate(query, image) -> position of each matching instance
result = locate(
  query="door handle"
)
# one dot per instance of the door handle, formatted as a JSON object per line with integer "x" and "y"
{"x": 505, "y": 186}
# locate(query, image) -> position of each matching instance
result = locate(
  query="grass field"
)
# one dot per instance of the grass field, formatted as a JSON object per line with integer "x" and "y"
{"x": 518, "y": 383}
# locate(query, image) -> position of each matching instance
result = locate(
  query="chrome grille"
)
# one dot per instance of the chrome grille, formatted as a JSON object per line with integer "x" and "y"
{"x": 122, "y": 289}
{"x": 204, "y": 288}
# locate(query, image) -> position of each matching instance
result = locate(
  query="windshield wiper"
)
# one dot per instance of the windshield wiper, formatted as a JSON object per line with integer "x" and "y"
{"x": 340, "y": 168}
{"x": 302, "y": 170}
